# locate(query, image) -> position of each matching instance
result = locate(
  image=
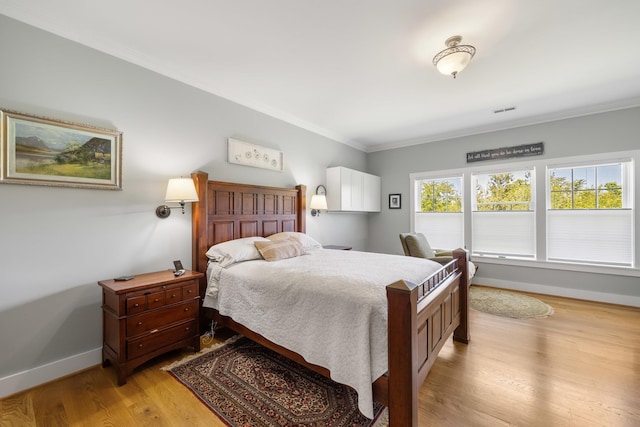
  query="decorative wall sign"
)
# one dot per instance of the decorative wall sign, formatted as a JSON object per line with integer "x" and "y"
{"x": 244, "y": 153}
{"x": 525, "y": 150}
{"x": 41, "y": 151}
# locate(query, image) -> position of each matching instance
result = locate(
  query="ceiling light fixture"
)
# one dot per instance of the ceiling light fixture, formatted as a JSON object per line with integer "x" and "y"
{"x": 455, "y": 57}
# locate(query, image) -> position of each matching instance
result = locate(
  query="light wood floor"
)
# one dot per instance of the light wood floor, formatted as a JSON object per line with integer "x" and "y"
{"x": 579, "y": 367}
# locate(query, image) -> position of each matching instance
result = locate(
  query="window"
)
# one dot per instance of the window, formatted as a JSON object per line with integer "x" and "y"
{"x": 503, "y": 218}
{"x": 575, "y": 213}
{"x": 589, "y": 214}
{"x": 439, "y": 211}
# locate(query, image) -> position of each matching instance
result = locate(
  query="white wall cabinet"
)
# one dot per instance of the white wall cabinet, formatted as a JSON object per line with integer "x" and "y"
{"x": 352, "y": 191}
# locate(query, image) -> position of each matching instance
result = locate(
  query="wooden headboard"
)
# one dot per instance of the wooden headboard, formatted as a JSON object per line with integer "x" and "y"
{"x": 227, "y": 211}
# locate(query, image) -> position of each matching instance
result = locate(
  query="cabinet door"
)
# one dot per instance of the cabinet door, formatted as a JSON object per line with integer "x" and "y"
{"x": 371, "y": 193}
{"x": 357, "y": 191}
{"x": 345, "y": 190}
{"x": 339, "y": 191}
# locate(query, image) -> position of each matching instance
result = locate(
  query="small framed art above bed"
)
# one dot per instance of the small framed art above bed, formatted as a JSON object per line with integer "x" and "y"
{"x": 374, "y": 322}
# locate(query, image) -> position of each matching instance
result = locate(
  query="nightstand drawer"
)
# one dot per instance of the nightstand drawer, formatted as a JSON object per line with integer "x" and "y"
{"x": 136, "y": 304}
{"x": 140, "y": 301}
{"x": 173, "y": 295}
{"x": 156, "y": 319}
{"x": 155, "y": 300}
{"x": 190, "y": 290}
{"x": 160, "y": 338}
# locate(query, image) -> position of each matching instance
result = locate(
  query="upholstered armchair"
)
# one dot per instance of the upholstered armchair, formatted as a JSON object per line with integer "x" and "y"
{"x": 417, "y": 245}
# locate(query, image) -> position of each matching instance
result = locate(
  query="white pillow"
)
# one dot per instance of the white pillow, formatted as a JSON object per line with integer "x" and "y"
{"x": 238, "y": 250}
{"x": 307, "y": 242}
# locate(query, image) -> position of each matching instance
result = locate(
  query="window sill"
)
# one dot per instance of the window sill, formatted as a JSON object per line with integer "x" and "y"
{"x": 551, "y": 265}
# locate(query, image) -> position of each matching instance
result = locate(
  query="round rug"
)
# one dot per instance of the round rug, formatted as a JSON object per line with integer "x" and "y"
{"x": 507, "y": 304}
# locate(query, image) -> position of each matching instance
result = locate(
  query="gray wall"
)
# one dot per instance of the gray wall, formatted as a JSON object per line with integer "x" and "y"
{"x": 57, "y": 242}
{"x": 595, "y": 134}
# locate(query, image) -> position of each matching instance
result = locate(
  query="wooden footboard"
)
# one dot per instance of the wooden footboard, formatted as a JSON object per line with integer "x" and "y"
{"x": 421, "y": 316}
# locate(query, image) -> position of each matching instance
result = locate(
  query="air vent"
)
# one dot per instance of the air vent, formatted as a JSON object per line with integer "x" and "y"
{"x": 504, "y": 110}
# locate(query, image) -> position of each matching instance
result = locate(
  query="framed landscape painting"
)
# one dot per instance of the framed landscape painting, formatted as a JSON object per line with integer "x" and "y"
{"x": 41, "y": 151}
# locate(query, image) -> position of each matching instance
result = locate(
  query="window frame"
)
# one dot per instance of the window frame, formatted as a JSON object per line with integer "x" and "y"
{"x": 522, "y": 222}
{"x": 451, "y": 215}
{"x": 579, "y": 214}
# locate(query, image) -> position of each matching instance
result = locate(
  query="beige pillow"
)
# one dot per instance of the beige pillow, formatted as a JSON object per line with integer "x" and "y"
{"x": 274, "y": 250}
{"x": 305, "y": 240}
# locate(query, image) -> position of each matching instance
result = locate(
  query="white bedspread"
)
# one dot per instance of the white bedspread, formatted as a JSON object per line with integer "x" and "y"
{"x": 328, "y": 306}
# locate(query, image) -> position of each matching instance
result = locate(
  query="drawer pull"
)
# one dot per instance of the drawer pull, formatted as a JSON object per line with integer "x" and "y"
{"x": 136, "y": 305}
{"x": 187, "y": 329}
{"x": 173, "y": 295}
{"x": 140, "y": 345}
{"x": 189, "y": 291}
{"x": 186, "y": 309}
{"x": 156, "y": 300}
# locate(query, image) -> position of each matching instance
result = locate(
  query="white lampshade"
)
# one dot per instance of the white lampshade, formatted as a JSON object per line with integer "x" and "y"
{"x": 181, "y": 190}
{"x": 318, "y": 201}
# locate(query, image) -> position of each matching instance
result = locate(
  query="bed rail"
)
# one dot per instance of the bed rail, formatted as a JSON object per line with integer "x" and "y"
{"x": 437, "y": 278}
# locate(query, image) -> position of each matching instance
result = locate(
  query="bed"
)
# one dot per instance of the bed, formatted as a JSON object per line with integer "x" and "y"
{"x": 420, "y": 316}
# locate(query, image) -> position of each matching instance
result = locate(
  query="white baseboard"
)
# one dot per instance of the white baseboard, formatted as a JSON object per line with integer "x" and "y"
{"x": 628, "y": 300}
{"x": 24, "y": 380}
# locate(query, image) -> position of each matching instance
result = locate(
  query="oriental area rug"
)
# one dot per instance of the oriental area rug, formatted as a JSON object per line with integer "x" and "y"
{"x": 246, "y": 384}
{"x": 507, "y": 304}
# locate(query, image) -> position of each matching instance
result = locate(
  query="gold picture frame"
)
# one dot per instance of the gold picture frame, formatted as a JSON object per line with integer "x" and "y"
{"x": 42, "y": 151}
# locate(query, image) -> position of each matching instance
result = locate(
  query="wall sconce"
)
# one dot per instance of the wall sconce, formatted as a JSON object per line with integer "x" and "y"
{"x": 179, "y": 190}
{"x": 318, "y": 201}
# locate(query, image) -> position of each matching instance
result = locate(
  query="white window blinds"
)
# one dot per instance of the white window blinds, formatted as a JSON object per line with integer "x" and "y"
{"x": 590, "y": 236}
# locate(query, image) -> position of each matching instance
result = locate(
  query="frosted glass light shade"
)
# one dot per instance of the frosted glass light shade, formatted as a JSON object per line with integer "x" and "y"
{"x": 453, "y": 63}
{"x": 181, "y": 190}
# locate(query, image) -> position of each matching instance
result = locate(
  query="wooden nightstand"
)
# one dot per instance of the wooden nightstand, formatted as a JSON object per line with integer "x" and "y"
{"x": 338, "y": 247}
{"x": 147, "y": 316}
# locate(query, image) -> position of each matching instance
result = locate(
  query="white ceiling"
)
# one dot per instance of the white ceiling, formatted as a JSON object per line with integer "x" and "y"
{"x": 360, "y": 71}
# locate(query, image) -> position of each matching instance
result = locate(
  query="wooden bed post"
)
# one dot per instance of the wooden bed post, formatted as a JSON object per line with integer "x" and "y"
{"x": 461, "y": 333}
{"x": 199, "y": 227}
{"x": 402, "y": 369}
{"x": 301, "y": 205}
